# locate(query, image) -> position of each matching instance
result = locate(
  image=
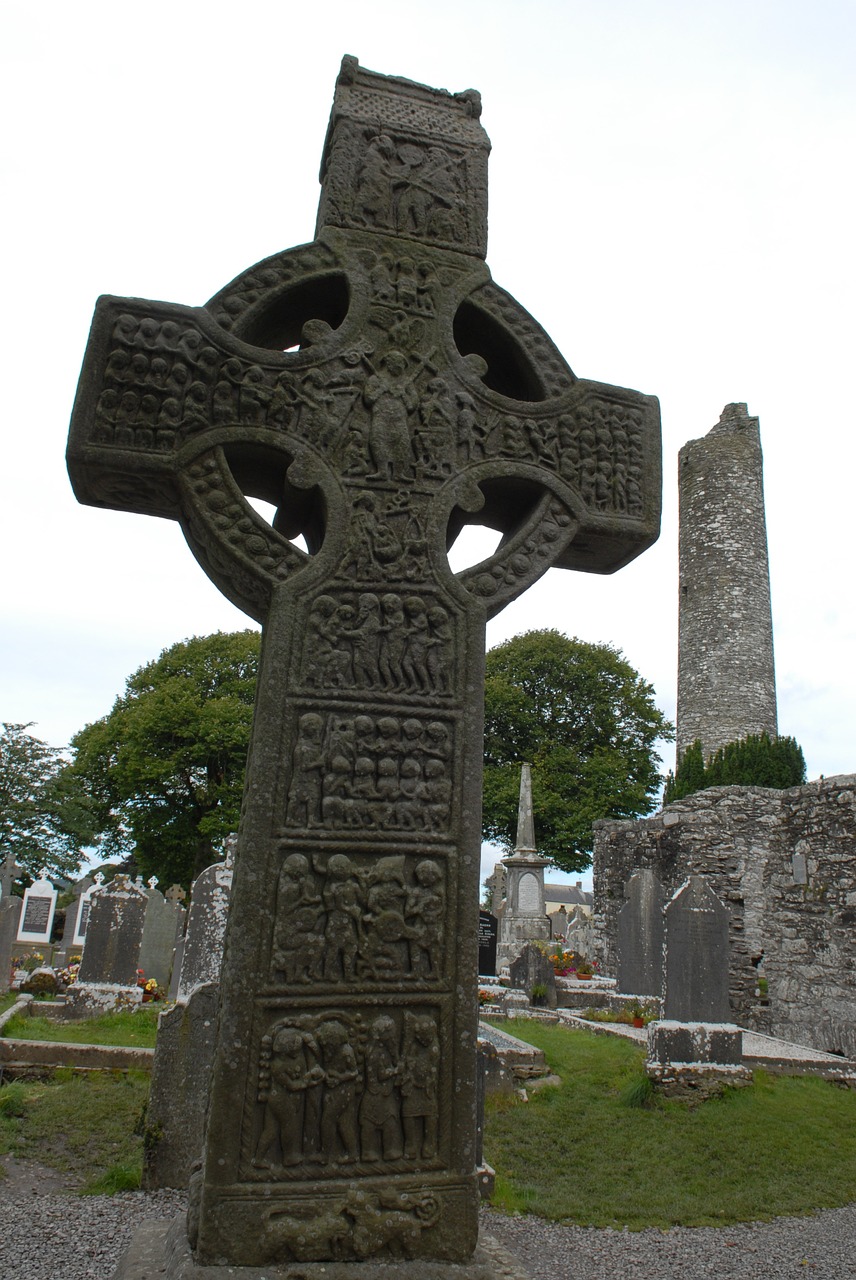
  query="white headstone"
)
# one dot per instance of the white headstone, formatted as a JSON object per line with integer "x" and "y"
{"x": 37, "y": 913}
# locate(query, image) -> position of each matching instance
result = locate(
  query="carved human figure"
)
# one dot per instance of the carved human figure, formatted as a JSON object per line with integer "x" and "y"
{"x": 304, "y": 801}
{"x": 424, "y": 913}
{"x": 373, "y": 194}
{"x": 289, "y": 1076}
{"x": 298, "y": 934}
{"x": 342, "y": 933}
{"x": 365, "y": 639}
{"x": 385, "y": 929}
{"x": 392, "y": 642}
{"x": 391, "y": 396}
{"x": 421, "y": 1057}
{"x": 339, "y": 1141}
{"x": 380, "y": 1108}
{"x": 439, "y": 649}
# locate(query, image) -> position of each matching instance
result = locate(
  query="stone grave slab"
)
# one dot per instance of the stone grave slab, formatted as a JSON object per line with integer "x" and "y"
{"x": 488, "y": 930}
{"x": 202, "y": 947}
{"x": 380, "y": 391}
{"x": 37, "y": 913}
{"x": 10, "y": 917}
{"x": 696, "y": 955}
{"x": 114, "y": 934}
{"x": 640, "y": 936}
{"x": 161, "y": 930}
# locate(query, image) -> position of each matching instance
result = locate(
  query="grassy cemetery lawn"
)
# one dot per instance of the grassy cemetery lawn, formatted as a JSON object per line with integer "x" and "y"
{"x": 84, "y": 1125}
{"x": 131, "y": 1028}
{"x": 600, "y": 1151}
{"x": 7, "y": 1001}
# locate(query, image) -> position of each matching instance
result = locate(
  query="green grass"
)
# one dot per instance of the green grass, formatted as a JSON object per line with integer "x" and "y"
{"x": 620, "y": 1157}
{"x": 7, "y": 1001}
{"x": 83, "y": 1125}
{"x": 131, "y": 1028}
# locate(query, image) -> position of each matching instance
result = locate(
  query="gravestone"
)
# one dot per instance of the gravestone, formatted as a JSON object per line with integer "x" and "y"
{"x": 640, "y": 936}
{"x": 162, "y": 928}
{"x": 37, "y": 913}
{"x": 178, "y": 1099}
{"x": 202, "y": 948}
{"x": 10, "y": 917}
{"x": 381, "y": 391}
{"x": 696, "y": 955}
{"x": 114, "y": 934}
{"x": 531, "y": 968}
{"x": 9, "y": 871}
{"x": 487, "y": 943}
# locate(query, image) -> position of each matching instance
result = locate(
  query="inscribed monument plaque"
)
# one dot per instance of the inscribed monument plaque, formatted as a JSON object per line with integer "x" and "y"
{"x": 38, "y": 911}
{"x": 381, "y": 391}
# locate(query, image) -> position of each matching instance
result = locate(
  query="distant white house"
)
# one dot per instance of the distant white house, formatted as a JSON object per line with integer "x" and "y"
{"x": 568, "y": 896}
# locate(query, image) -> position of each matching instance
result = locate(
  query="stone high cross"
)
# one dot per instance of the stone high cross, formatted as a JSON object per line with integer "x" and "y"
{"x": 381, "y": 391}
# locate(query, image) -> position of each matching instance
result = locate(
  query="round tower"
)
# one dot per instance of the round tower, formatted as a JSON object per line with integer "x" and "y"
{"x": 726, "y": 678}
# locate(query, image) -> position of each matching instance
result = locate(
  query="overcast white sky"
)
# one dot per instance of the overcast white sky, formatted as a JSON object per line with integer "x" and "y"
{"x": 671, "y": 195}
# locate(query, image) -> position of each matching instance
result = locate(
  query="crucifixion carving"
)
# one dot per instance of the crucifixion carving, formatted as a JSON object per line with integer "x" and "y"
{"x": 380, "y": 391}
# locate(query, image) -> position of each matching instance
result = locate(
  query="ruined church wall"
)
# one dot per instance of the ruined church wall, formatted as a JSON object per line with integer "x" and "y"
{"x": 784, "y": 863}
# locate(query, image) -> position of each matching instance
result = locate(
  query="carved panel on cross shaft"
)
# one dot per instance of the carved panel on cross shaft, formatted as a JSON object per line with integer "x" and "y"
{"x": 341, "y": 1093}
{"x": 371, "y": 773}
{"x": 354, "y": 918}
{"x": 390, "y": 642}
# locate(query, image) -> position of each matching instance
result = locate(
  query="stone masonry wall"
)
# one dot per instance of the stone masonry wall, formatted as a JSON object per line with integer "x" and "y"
{"x": 726, "y": 678}
{"x": 784, "y": 863}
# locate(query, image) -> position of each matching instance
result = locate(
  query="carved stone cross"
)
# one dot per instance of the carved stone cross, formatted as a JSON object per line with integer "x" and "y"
{"x": 380, "y": 391}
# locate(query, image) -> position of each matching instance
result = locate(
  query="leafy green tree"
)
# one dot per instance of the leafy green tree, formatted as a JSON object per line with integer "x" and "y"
{"x": 44, "y": 822}
{"x": 754, "y": 761}
{"x": 587, "y": 723}
{"x": 164, "y": 771}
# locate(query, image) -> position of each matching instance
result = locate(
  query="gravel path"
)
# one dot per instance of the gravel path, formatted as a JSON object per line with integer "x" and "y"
{"x": 63, "y": 1237}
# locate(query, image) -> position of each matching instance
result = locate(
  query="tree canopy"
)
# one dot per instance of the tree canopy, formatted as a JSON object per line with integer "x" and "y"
{"x": 587, "y": 723}
{"x": 44, "y": 822}
{"x": 754, "y": 761}
{"x": 164, "y": 771}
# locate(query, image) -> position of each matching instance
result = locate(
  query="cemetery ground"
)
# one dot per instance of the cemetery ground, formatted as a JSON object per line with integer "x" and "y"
{"x": 596, "y": 1150}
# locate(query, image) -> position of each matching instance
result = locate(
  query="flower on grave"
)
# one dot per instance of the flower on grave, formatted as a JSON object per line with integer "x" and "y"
{"x": 485, "y": 996}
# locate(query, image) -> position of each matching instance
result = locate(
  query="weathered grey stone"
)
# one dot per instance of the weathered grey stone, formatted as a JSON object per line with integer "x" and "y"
{"x": 799, "y": 937}
{"x": 640, "y": 936}
{"x": 114, "y": 934}
{"x": 201, "y": 952}
{"x": 726, "y": 676}
{"x": 181, "y": 1077}
{"x": 680, "y": 1043}
{"x": 533, "y": 969}
{"x": 161, "y": 931}
{"x": 10, "y": 915}
{"x": 343, "y": 1103}
{"x": 696, "y": 955}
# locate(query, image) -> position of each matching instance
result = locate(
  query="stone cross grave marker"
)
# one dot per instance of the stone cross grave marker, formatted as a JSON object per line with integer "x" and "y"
{"x": 9, "y": 872}
{"x": 640, "y": 935}
{"x": 696, "y": 955}
{"x": 380, "y": 391}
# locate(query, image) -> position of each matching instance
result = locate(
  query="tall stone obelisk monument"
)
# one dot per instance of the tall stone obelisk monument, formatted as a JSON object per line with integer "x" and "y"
{"x": 726, "y": 676}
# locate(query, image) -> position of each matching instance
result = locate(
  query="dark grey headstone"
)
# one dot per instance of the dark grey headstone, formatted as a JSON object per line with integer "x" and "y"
{"x": 640, "y": 936}
{"x": 162, "y": 928}
{"x": 181, "y": 1075}
{"x": 532, "y": 968}
{"x": 696, "y": 955}
{"x": 114, "y": 933}
{"x": 488, "y": 927}
{"x": 10, "y": 915}
{"x": 202, "y": 952}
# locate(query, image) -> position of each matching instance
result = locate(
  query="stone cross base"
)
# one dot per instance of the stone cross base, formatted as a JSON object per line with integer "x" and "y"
{"x": 160, "y": 1249}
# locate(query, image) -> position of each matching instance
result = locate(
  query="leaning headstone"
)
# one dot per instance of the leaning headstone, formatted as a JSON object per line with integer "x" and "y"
{"x": 487, "y": 943}
{"x": 10, "y": 917}
{"x": 417, "y": 396}
{"x": 38, "y": 910}
{"x": 161, "y": 930}
{"x": 181, "y": 1075}
{"x": 696, "y": 955}
{"x": 640, "y": 936}
{"x": 111, "y": 954}
{"x": 202, "y": 948}
{"x": 532, "y": 969}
